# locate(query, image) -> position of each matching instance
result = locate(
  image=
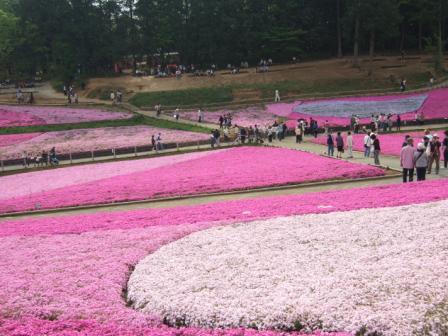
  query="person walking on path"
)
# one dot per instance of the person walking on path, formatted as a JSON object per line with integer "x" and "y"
{"x": 407, "y": 160}
{"x": 200, "y": 116}
{"x": 398, "y": 123}
{"x": 299, "y": 133}
{"x": 350, "y": 145}
{"x": 434, "y": 153}
{"x": 277, "y": 96}
{"x": 153, "y": 142}
{"x": 376, "y": 149}
{"x": 367, "y": 145}
{"x": 445, "y": 150}
{"x": 421, "y": 161}
{"x": 339, "y": 145}
{"x": 158, "y": 109}
{"x": 330, "y": 145}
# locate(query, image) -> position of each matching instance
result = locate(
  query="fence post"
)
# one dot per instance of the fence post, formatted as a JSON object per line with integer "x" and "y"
{"x": 93, "y": 156}
{"x": 71, "y": 159}
{"x": 177, "y": 146}
{"x": 115, "y": 154}
{"x": 199, "y": 145}
{"x": 135, "y": 150}
{"x": 3, "y": 167}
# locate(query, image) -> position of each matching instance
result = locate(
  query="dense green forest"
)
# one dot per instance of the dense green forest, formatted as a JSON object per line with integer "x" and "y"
{"x": 65, "y": 37}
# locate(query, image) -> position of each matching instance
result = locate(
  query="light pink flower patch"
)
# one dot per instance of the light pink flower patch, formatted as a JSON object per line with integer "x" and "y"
{"x": 16, "y": 139}
{"x": 33, "y": 326}
{"x": 84, "y": 140}
{"x": 38, "y": 182}
{"x": 234, "y": 169}
{"x": 73, "y": 268}
{"x": 41, "y": 115}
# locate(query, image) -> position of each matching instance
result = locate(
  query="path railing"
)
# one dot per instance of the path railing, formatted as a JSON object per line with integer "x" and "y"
{"x": 107, "y": 154}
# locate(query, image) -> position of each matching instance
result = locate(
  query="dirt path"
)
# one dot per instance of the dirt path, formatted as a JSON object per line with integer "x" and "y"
{"x": 385, "y": 68}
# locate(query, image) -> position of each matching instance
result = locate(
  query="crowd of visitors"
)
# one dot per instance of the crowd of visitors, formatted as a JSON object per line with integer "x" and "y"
{"x": 116, "y": 96}
{"x": 380, "y": 123}
{"x": 423, "y": 157}
{"x": 70, "y": 93}
{"x": 156, "y": 142}
{"x": 22, "y": 98}
{"x": 372, "y": 146}
{"x": 44, "y": 158}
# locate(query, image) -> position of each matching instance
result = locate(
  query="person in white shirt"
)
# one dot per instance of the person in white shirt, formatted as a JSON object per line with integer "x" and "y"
{"x": 350, "y": 145}
{"x": 367, "y": 145}
{"x": 200, "y": 116}
{"x": 277, "y": 96}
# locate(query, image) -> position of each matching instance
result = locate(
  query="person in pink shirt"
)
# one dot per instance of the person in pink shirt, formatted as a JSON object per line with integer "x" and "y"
{"x": 407, "y": 160}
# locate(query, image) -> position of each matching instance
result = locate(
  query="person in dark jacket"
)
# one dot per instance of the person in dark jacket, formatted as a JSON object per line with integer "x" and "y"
{"x": 339, "y": 145}
{"x": 330, "y": 145}
{"x": 376, "y": 149}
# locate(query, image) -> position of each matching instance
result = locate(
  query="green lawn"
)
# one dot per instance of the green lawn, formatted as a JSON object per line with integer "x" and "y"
{"x": 137, "y": 120}
{"x": 199, "y": 96}
{"x": 334, "y": 86}
{"x": 223, "y": 95}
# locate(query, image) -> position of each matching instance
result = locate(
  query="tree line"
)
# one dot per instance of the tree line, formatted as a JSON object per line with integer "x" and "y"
{"x": 65, "y": 37}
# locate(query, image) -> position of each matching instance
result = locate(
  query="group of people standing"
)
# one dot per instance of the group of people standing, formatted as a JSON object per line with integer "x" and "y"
{"x": 116, "y": 97}
{"x": 70, "y": 93}
{"x": 340, "y": 144}
{"x": 156, "y": 142}
{"x": 41, "y": 159}
{"x": 424, "y": 157}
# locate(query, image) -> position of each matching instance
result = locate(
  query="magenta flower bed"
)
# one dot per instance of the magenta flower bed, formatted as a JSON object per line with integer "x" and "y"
{"x": 41, "y": 115}
{"x": 82, "y": 140}
{"x": 220, "y": 171}
{"x": 65, "y": 275}
{"x": 391, "y": 144}
{"x": 434, "y": 107}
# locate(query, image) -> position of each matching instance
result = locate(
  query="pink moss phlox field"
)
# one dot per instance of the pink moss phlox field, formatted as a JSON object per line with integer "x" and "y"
{"x": 15, "y": 139}
{"x": 82, "y": 140}
{"x": 250, "y": 116}
{"x": 434, "y": 107}
{"x": 33, "y": 326}
{"x": 247, "y": 210}
{"x": 391, "y": 144}
{"x": 41, "y": 115}
{"x": 233, "y": 169}
{"x": 72, "y": 269}
{"x": 37, "y": 182}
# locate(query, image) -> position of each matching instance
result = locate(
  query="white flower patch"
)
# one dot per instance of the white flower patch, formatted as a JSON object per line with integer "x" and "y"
{"x": 384, "y": 268}
{"x": 347, "y": 108}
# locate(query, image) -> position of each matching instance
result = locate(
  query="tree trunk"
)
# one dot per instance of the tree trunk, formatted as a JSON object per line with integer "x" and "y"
{"x": 339, "y": 30}
{"x": 420, "y": 35}
{"x": 371, "y": 50}
{"x": 356, "y": 42}
{"x": 132, "y": 32}
{"x": 439, "y": 62}
{"x": 403, "y": 36}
